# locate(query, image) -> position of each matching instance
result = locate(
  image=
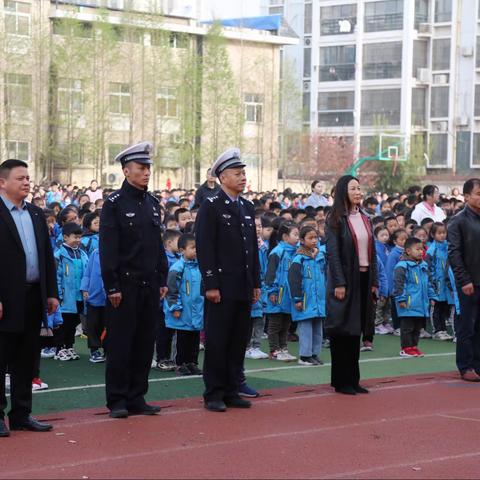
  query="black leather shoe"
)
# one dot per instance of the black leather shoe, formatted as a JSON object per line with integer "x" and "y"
{"x": 31, "y": 425}
{"x": 215, "y": 406}
{"x": 237, "y": 402}
{"x": 4, "y": 431}
{"x": 145, "y": 410}
{"x": 118, "y": 413}
{"x": 346, "y": 390}
{"x": 360, "y": 389}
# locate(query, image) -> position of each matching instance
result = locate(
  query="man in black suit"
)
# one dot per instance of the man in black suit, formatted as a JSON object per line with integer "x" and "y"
{"x": 28, "y": 289}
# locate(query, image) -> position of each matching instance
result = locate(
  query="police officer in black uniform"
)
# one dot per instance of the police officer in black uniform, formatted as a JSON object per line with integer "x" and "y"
{"x": 227, "y": 252}
{"x": 134, "y": 270}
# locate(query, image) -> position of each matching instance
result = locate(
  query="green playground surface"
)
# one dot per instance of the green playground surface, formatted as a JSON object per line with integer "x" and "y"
{"x": 79, "y": 384}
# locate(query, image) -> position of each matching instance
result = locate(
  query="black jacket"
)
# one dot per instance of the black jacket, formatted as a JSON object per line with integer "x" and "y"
{"x": 13, "y": 268}
{"x": 464, "y": 247}
{"x": 131, "y": 247}
{"x": 227, "y": 247}
{"x": 343, "y": 317}
{"x": 204, "y": 192}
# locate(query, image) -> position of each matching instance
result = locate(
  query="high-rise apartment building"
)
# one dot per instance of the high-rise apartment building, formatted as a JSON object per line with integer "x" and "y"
{"x": 410, "y": 67}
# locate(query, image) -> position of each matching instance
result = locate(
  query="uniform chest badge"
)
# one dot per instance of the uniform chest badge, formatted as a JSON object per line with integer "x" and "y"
{"x": 227, "y": 201}
{"x": 155, "y": 214}
{"x": 130, "y": 214}
{"x": 248, "y": 218}
{"x": 226, "y": 215}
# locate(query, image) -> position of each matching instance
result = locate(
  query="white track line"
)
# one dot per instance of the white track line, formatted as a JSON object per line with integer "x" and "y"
{"x": 259, "y": 370}
{"x": 467, "y": 419}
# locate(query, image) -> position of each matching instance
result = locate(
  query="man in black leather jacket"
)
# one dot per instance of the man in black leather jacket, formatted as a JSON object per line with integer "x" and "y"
{"x": 464, "y": 258}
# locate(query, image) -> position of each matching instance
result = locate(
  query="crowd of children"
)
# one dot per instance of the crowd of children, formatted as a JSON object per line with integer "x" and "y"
{"x": 416, "y": 295}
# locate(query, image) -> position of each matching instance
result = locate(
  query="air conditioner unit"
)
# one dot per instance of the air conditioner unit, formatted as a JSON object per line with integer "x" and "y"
{"x": 307, "y": 41}
{"x": 440, "y": 126}
{"x": 440, "y": 79}
{"x": 462, "y": 121}
{"x": 306, "y": 86}
{"x": 113, "y": 179}
{"x": 467, "y": 51}
{"x": 423, "y": 75}
{"x": 424, "y": 28}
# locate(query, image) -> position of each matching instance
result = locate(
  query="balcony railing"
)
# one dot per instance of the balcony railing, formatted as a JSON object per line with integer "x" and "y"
{"x": 337, "y": 73}
{"x": 373, "y": 71}
{"x": 387, "y": 21}
{"x": 338, "y": 26}
{"x": 335, "y": 119}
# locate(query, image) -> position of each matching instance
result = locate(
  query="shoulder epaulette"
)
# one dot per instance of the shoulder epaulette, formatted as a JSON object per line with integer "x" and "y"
{"x": 114, "y": 196}
{"x": 212, "y": 199}
{"x": 154, "y": 197}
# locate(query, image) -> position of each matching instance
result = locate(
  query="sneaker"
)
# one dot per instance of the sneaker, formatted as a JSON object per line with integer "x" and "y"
{"x": 418, "y": 352}
{"x": 7, "y": 381}
{"x": 307, "y": 361}
{"x": 63, "y": 355}
{"x": 166, "y": 365}
{"x": 424, "y": 334}
{"x": 443, "y": 336}
{"x": 183, "y": 371}
{"x": 79, "y": 330}
{"x": 396, "y": 332}
{"x": 37, "y": 384}
{"x": 201, "y": 346}
{"x": 261, "y": 354}
{"x": 381, "y": 330}
{"x": 290, "y": 357}
{"x": 47, "y": 353}
{"x": 367, "y": 347}
{"x": 317, "y": 360}
{"x": 97, "y": 357}
{"x": 389, "y": 328}
{"x": 273, "y": 355}
{"x": 154, "y": 364}
{"x": 407, "y": 352}
{"x": 73, "y": 354}
{"x": 255, "y": 354}
{"x": 194, "y": 370}
{"x": 246, "y": 391}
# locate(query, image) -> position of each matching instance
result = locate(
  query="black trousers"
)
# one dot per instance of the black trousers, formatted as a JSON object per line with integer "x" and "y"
{"x": 410, "y": 330}
{"x": 186, "y": 345}
{"x": 19, "y": 351}
{"x": 94, "y": 327}
{"x": 129, "y": 346}
{"x": 163, "y": 338}
{"x": 227, "y": 329}
{"x": 441, "y": 312}
{"x": 69, "y": 327}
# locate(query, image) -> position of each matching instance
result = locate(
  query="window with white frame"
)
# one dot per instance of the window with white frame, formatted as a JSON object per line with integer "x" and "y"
{"x": 441, "y": 54}
{"x": 17, "y": 18}
{"x": 335, "y": 109}
{"x": 307, "y": 62}
{"x": 477, "y": 100}
{"x": 307, "y": 19}
{"x": 382, "y": 60}
{"x": 421, "y": 12}
{"x": 443, "y": 11}
{"x": 420, "y": 55}
{"x": 71, "y": 153}
{"x": 167, "y": 102}
{"x": 338, "y": 19}
{"x": 337, "y": 63}
{"x": 120, "y": 98}
{"x": 477, "y": 59}
{"x": 439, "y": 149}
{"x": 439, "y": 102}
{"x": 253, "y": 104}
{"x": 70, "y": 96}
{"x": 18, "y": 90}
{"x": 419, "y": 106}
{"x": 381, "y": 106}
{"x": 476, "y": 150}
{"x": 384, "y": 15}
{"x": 18, "y": 150}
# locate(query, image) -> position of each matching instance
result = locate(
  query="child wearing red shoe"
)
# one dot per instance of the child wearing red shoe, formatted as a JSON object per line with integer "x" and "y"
{"x": 413, "y": 293}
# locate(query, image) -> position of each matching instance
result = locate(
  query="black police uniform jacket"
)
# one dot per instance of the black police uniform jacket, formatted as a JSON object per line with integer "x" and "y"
{"x": 227, "y": 248}
{"x": 131, "y": 247}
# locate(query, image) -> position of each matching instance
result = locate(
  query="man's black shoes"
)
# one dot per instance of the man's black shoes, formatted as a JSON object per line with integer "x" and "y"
{"x": 31, "y": 425}
{"x": 215, "y": 406}
{"x": 346, "y": 390}
{"x": 4, "y": 431}
{"x": 145, "y": 410}
{"x": 360, "y": 389}
{"x": 118, "y": 413}
{"x": 237, "y": 402}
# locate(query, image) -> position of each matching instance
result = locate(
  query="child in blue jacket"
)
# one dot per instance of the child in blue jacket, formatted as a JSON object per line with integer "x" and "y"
{"x": 184, "y": 307}
{"x": 90, "y": 238}
{"x": 382, "y": 311}
{"x": 71, "y": 264}
{"x": 437, "y": 259}
{"x": 307, "y": 284}
{"x": 95, "y": 298}
{"x": 278, "y": 298}
{"x": 413, "y": 292}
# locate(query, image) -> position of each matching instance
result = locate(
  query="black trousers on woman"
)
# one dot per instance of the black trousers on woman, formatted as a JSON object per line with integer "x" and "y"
{"x": 345, "y": 349}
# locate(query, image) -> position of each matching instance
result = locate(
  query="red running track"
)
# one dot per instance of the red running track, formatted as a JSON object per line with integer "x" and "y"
{"x": 426, "y": 426}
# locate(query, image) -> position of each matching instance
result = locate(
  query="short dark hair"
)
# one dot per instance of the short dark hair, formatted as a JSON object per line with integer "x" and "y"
{"x": 379, "y": 229}
{"x": 71, "y": 229}
{"x": 8, "y": 165}
{"x": 89, "y": 218}
{"x": 314, "y": 184}
{"x": 170, "y": 234}
{"x": 426, "y": 220}
{"x": 179, "y": 211}
{"x": 275, "y": 205}
{"x": 397, "y": 233}
{"x": 307, "y": 229}
{"x": 468, "y": 186}
{"x": 185, "y": 239}
{"x": 411, "y": 241}
{"x": 428, "y": 190}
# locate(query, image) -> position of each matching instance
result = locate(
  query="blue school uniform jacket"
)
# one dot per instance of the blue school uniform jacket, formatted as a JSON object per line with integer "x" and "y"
{"x": 382, "y": 278}
{"x": 172, "y": 258}
{"x": 89, "y": 243}
{"x": 55, "y": 319}
{"x": 413, "y": 286}
{"x": 392, "y": 261}
{"x": 276, "y": 281}
{"x": 92, "y": 281}
{"x": 184, "y": 295}
{"x": 71, "y": 264}
{"x": 452, "y": 293}
{"x": 258, "y": 307}
{"x": 382, "y": 251}
{"x": 437, "y": 259}
{"x": 307, "y": 284}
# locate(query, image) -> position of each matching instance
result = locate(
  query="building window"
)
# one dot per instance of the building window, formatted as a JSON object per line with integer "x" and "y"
{"x": 381, "y": 107}
{"x": 476, "y": 150}
{"x": 439, "y": 150}
{"x": 306, "y": 107}
{"x": 337, "y": 63}
{"x": 71, "y": 154}
{"x": 17, "y": 18}
{"x": 440, "y": 100}
{"x": 307, "y": 20}
{"x": 68, "y": 28}
{"x": 253, "y": 108}
{"x": 70, "y": 96}
{"x": 18, "y": 150}
{"x": 275, "y": 10}
{"x": 120, "y": 98}
{"x": 419, "y": 107}
{"x": 338, "y": 19}
{"x": 477, "y": 100}
{"x": 167, "y": 102}
{"x": 421, "y": 12}
{"x": 127, "y": 34}
{"x": 113, "y": 150}
{"x": 18, "y": 90}
{"x": 420, "y": 55}
{"x": 307, "y": 62}
{"x": 384, "y": 15}
{"x": 443, "y": 11}
{"x": 335, "y": 109}
{"x": 441, "y": 54}
{"x": 382, "y": 60}
{"x": 477, "y": 59}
